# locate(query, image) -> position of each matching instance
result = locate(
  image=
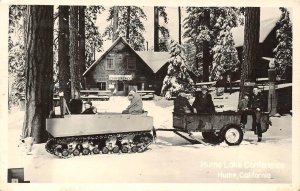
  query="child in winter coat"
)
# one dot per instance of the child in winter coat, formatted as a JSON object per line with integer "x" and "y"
{"x": 243, "y": 107}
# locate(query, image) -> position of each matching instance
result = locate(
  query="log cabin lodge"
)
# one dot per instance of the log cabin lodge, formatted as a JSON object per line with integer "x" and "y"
{"x": 120, "y": 69}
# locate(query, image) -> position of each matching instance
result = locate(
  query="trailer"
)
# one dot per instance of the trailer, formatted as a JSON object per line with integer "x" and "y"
{"x": 215, "y": 128}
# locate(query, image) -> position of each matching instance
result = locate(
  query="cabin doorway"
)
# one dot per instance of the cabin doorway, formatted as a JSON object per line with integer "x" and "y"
{"x": 120, "y": 88}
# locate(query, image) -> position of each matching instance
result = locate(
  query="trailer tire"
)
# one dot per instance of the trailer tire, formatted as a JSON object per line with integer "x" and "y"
{"x": 232, "y": 134}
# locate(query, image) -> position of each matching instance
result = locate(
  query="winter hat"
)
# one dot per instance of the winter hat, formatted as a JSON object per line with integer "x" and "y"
{"x": 204, "y": 87}
{"x": 131, "y": 93}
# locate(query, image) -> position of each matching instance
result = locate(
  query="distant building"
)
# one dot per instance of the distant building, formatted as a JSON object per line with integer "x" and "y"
{"x": 267, "y": 43}
{"x": 121, "y": 69}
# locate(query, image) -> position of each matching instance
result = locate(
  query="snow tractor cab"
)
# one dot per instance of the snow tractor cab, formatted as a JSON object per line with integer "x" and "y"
{"x": 77, "y": 134}
{"x": 103, "y": 133}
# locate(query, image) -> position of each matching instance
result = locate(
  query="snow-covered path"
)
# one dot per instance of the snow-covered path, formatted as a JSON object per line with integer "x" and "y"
{"x": 170, "y": 159}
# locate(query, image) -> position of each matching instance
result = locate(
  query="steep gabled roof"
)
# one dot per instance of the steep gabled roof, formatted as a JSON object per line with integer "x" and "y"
{"x": 120, "y": 39}
{"x": 155, "y": 60}
{"x": 266, "y": 26}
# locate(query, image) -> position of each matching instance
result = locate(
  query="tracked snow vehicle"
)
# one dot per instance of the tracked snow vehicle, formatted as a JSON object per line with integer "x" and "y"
{"x": 102, "y": 133}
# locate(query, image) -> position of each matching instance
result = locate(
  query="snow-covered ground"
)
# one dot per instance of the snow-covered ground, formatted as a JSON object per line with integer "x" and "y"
{"x": 170, "y": 159}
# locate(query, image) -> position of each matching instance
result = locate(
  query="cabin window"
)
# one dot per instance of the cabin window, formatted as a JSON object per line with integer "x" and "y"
{"x": 131, "y": 63}
{"x": 101, "y": 85}
{"x": 110, "y": 65}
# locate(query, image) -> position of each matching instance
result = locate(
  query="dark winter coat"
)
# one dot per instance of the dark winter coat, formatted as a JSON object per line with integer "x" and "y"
{"x": 221, "y": 83}
{"x": 181, "y": 104}
{"x": 203, "y": 103}
{"x": 75, "y": 106}
{"x": 256, "y": 101}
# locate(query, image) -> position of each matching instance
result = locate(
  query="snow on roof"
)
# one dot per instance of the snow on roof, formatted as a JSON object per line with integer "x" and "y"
{"x": 266, "y": 26}
{"x": 155, "y": 60}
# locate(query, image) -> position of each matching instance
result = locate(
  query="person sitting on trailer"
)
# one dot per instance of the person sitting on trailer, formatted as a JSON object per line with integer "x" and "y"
{"x": 203, "y": 101}
{"x": 243, "y": 108}
{"x": 182, "y": 104}
{"x": 256, "y": 104}
{"x": 89, "y": 108}
{"x": 136, "y": 103}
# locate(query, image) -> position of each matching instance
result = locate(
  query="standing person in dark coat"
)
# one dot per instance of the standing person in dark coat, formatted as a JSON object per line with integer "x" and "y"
{"x": 243, "y": 108}
{"x": 182, "y": 104}
{"x": 256, "y": 104}
{"x": 203, "y": 101}
{"x": 220, "y": 86}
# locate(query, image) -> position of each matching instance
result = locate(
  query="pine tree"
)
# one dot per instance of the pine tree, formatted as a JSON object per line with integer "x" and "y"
{"x": 39, "y": 71}
{"x": 202, "y": 33}
{"x": 283, "y": 51}
{"x": 177, "y": 77}
{"x": 16, "y": 52}
{"x": 131, "y": 22}
{"x": 225, "y": 55}
{"x": 163, "y": 45}
{"x": 251, "y": 42}
{"x": 63, "y": 52}
{"x": 179, "y": 25}
{"x": 73, "y": 52}
{"x": 93, "y": 38}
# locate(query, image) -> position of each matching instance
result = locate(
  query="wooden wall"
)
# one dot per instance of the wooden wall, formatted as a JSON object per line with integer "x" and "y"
{"x": 119, "y": 53}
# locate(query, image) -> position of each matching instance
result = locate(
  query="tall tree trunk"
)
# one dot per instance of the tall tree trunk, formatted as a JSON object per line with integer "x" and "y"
{"x": 81, "y": 49}
{"x": 115, "y": 23}
{"x": 179, "y": 25}
{"x": 63, "y": 52}
{"x": 206, "y": 54}
{"x": 251, "y": 42}
{"x": 156, "y": 31}
{"x": 74, "y": 64}
{"x": 39, "y": 71}
{"x": 128, "y": 23}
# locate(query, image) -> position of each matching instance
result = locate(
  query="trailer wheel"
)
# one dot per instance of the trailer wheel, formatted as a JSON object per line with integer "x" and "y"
{"x": 212, "y": 137}
{"x": 233, "y": 135}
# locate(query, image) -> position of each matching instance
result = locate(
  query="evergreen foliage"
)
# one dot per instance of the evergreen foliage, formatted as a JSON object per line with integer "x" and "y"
{"x": 284, "y": 49}
{"x": 222, "y": 20}
{"x": 164, "y": 31}
{"x": 135, "y": 24}
{"x": 177, "y": 77}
